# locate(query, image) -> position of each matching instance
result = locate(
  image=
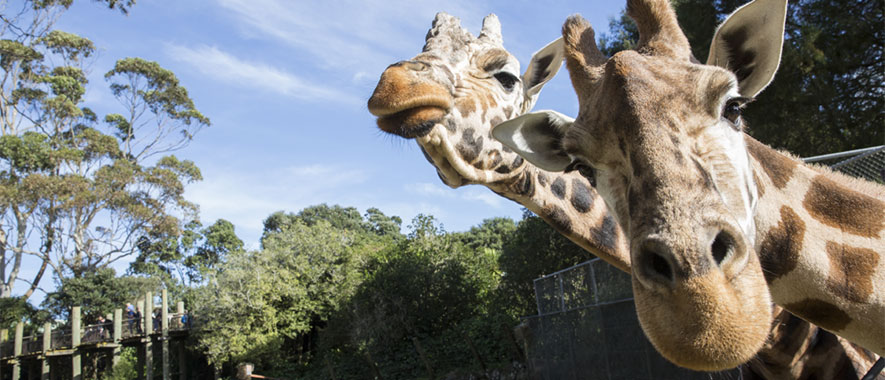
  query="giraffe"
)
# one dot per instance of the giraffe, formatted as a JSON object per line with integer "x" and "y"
{"x": 719, "y": 225}
{"x": 456, "y": 141}
{"x": 448, "y": 97}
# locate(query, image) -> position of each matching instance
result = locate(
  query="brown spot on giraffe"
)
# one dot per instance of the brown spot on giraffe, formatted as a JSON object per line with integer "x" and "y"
{"x": 822, "y": 313}
{"x": 558, "y": 188}
{"x": 778, "y": 167}
{"x": 558, "y": 219}
{"x": 542, "y": 179}
{"x": 850, "y": 211}
{"x": 496, "y": 120}
{"x": 508, "y": 112}
{"x": 606, "y": 233}
{"x": 466, "y": 106}
{"x": 581, "y": 198}
{"x": 782, "y": 245}
{"x": 470, "y": 146}
{"x": 851, "y": 271}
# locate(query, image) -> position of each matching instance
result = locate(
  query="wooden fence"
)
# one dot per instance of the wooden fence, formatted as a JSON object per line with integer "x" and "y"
{"x": 108, "y": 337}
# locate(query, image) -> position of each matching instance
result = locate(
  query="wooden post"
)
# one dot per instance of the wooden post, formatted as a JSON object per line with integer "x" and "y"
{"x": 140, "y": 347}
{"x": 182, "y": 352}
{"x": 148, "y": 330}
{"x": 118, "y": 336}
{"x": 77, "y": 367}
{"x": 17, "y": 351}
{"x": 164, "y": 328}
{"x": 47, "y": 346}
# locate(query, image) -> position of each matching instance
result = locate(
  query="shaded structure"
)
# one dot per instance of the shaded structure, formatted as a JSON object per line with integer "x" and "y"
{"x": 586, "y": 328}
{"x": 59, "y": 353}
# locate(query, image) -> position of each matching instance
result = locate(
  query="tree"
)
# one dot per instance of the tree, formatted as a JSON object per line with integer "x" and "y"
{"x": 268, "y": 304}
{"x": 346, "y": 218}
{"x": 186, "y": 260}
{"x": 533, "y": 249}
{"x": 89, "y": 196}
{"x": 97, "y": 293}
{"x": 829, "y": 93}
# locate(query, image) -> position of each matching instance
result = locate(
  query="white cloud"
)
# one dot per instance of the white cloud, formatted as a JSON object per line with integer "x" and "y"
{"x": 469, "y": 193}
{"x": 246, "y": 199}
{"x": 348, "y": 34}
{"x": 225, "y": 67}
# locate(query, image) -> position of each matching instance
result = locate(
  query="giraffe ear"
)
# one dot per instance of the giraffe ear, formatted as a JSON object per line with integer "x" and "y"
{"x": 536, "y": 137}
{"x": 749, "y": 43}
{"x": 543, "y": 67}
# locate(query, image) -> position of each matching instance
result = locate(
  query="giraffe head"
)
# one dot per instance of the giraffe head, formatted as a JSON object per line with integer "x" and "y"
{"x": 662, "y": 135}
{"x": 449, "y": 96}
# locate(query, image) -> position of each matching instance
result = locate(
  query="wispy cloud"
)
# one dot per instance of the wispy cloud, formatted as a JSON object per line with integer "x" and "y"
{"x": 469, "y": 193}
{"x": 247, "y": 198}
{"x": 349, "y": 35}
{"x": 223, "y": 66}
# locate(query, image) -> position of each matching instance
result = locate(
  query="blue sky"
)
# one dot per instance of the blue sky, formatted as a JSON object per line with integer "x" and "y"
{"x": 285, "y": 85}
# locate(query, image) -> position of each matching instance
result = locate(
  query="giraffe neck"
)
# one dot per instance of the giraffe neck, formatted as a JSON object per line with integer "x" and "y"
{"x": 566, "y": 201}
{"x": 800, "y": 350}
{"x": 821, "y": 242}
{"x": 569, "y": 203}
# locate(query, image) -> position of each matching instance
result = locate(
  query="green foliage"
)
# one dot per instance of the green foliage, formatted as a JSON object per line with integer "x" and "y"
{"x": 533, "y": 250}
{"x": 97, "y": 293}
{"x": 259, "y": 300}
{"x": 157, "y": 88}
{"x": 29, "y": 152}
{"x": 187, "y": 259}
{"x": 126, "y": 367}
{"x": 828, "y": 92}
{"x": 17, "y": 309}
{"x": 67, "y": 45}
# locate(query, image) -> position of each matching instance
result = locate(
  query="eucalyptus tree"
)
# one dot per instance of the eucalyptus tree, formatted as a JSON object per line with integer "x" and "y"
{"x": 78, "y": 191}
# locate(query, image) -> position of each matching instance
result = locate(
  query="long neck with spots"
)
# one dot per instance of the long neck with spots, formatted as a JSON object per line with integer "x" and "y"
{"x": 821, "y": 243}
{"x": 797, "y": 349}
{"x": 465, "y": 153}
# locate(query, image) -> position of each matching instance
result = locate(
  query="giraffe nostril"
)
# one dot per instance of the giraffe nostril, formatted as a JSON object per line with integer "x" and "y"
{"x": 660, "y": 266}
{"x": 653, "y": 264}
{"x": 722, "y": 245}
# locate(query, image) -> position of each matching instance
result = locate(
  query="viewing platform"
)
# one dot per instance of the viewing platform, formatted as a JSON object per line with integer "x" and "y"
{"x": 20, "y": 353}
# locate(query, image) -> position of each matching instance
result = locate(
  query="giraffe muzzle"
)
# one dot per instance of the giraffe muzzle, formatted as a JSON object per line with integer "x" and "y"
{"x": 407, "y": 101}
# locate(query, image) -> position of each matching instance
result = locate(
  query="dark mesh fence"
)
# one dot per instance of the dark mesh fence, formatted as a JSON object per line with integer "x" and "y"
{"x": 586, "y": 328}
{"x": 866, "y": 163}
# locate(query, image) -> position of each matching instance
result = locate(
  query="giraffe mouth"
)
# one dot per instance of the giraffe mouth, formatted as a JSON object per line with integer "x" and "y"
{"x": 413, "y": 122}
{"x": 408, "y": 105}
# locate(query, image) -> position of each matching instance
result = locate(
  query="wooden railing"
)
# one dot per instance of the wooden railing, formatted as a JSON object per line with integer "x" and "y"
{"x": 108, "y": 335}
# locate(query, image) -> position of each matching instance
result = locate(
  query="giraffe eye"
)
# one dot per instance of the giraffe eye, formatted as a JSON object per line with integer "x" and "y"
{"x": 585, "y": 170}
{"x": 733, "y": 109}
{"x": 507, "y": 80}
